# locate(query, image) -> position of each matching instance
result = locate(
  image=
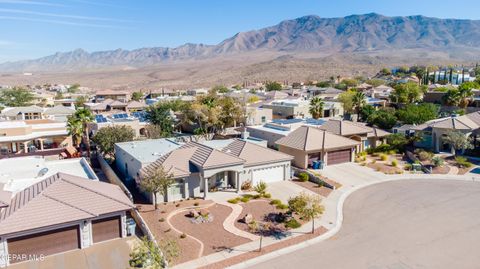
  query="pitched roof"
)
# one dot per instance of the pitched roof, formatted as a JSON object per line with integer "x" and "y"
{"x": 276, "y": 95}
{"x": 465, "y": 122}
{"x": 343, "y": 128}
{"x": 254, "y": 154}
{"x": 190, "y": 157}
{"x": 59, "y": 199}
{"x": 136, "y": 104}
{"x": 117, "y": 103}
{"x": 308, "y": 138}
{"x": 11, "y": 112}
{"x": 207, "y": 157}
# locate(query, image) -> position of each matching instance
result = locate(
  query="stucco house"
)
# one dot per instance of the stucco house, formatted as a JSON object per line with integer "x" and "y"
{"x": 367, "y": 136}
{"x": 199, "y": 169}
{"x": 433, "y": 132}
{"x": 308, "y": 144}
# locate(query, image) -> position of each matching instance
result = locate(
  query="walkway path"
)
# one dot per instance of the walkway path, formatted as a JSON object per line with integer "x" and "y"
{"x": 453, "y": 170}
{"x": 229, "y": 223}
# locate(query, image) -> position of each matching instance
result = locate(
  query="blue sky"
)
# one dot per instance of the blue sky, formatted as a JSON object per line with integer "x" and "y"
{"x": 36, "y": 28}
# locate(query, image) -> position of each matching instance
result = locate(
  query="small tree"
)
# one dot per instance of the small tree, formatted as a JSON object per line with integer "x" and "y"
{"x": 157, "y": 182}
{"x": 273, "y": 86}
{"x": 107, "y": 137}
{"x": 146, "y": 254}
{"x": 16, "y": 96}
{"x": 458, "y": 141}
{"x": 137, "y": 96}
{"x": 308, "y": 207}
{"x": 316, "y": 107}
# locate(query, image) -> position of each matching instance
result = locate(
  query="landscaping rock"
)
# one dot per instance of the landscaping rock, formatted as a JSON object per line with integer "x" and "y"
{"x": 193, "y": 213}
{"x": 247, "y": 219}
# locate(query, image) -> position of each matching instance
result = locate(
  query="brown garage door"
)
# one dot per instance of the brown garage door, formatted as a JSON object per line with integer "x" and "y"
{"x": 339, "y": 156}
{"x": 45, "y": 243}
{"x": 106, "y": 229}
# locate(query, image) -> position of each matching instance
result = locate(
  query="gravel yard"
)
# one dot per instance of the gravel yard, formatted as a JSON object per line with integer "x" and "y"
{"x": 212, "y": 234}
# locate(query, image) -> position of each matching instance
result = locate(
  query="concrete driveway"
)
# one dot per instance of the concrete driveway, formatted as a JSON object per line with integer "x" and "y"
{"x": 109, "y": 254}
{"x": 400, "y": 225}
{"x": 284, "y": 190}
{"x": 351, "y": 174}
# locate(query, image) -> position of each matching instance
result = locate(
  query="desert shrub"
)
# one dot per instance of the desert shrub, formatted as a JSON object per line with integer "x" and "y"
{"x": 182, "y": 236}
{"x": 437, "y": 161}
{"x": 379, "y": 148}
{"x": 275, "y": 202}
{"x": 267, "y": 195}
{"x": 292, "y": 224}
{"x": 161, "y": 220}
{"x": 462, "y": 162}
{"x": 233, "y": 201}
{"x": 383, "y": 157}
{"x": 261, "y": 187}
{"x": 247, "y": 185}
{"x": 407, "y": 167}
{"x": 394, "y": 163}
{"x": 177, "y": 205}
{"x": 320, "y": 184}
{"x": 374, "y": 161}
{"x": 245, "y": 199}
{"x": 196, "y": 204}
{"x": 257, "y": 196}
{"x": 424, "y": 155}
{"x": 303, "y": 177}
{"x": 282, "y": 206}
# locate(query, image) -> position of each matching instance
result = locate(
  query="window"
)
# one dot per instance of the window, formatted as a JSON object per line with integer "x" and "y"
{"x": 264, "y": 119}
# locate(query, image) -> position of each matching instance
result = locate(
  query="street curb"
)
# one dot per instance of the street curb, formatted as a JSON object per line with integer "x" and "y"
{"x": 339, "y": 222}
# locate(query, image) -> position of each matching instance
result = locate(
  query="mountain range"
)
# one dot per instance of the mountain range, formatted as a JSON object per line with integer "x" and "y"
{"x": 308, "y": 37}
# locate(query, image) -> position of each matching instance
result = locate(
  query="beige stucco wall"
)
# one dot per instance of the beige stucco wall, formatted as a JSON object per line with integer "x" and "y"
{"x": 300, "y": 157}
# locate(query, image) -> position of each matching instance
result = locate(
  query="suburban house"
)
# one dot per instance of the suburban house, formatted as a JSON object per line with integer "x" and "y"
{"x": 116, "y": 105}
{"x": 22, "y": 172}
{"x": 300, "y": 108}
{"x": 64, "y": 213}
{"x": 325, "y": 93}
{"x": 136, "y": 120}
{"x": 131, "y": 157}
{"x": 380, "y": 92}
{"x": 278, "y": 128}
{"x": 276, "y": 95}
{"x": 45, "y": 211}
{"x": 258, "y": 115}
{"x": 103, "y": 95}
{"x": 367, "y": 136}
{"x": 364, "y": 87}
{"x": 40, "y": 136}
{"x": 309, "y": 144}
{"x": 433, "y": 132}
{"x": 57, "y": 113}
{"x": 199, "y": 169}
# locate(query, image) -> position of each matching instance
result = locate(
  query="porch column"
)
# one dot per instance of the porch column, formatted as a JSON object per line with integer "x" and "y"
{"x": 25, "y": 147}
{"x": 205, "y": 187}
{"x": 185, "y": 188}
{"x": 236, "y": 178}
{"x": 41, "y": 143}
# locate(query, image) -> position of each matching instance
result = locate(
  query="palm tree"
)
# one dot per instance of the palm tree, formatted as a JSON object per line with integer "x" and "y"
{"x": 465, "y": 95}
{"x": 316, "y": 107}
{"x": 75, "y": 129}
{"x": 83, "y": 117}
{"x": 451, "y": 98}
{"x": 358, "y": 101}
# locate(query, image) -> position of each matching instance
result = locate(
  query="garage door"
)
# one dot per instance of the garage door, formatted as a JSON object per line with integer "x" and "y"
{"x": 46, "y": 243}
{"x": 106, "y": 229}
{"x": 271, "y": 174}
{"x": 339, "y": 156}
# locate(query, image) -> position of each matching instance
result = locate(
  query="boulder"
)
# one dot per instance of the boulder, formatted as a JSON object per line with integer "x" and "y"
{"x": 193, "y": 213}
{"x": 247, "y": 219}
